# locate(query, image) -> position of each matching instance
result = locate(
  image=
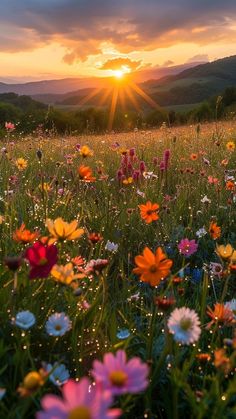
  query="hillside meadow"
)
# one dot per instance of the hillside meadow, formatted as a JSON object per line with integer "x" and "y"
{"x": 118, "y": 269}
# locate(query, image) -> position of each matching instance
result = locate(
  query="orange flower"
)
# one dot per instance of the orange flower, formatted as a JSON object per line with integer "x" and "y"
{"x": 221, "y": 361}
{"x": 203, "y": 357}
{"x": 230, "y": 186}
{"x": 151, "y": 267}
{"x": 193, "y": 156}
{"x": 86, "y": 174}
{"x": 148, "y": 212}
{"x": 220, "y": 314}
{"x": 22, "y": 235}
{"x": 214, "y": 230}
{"x": 95, "y": 237}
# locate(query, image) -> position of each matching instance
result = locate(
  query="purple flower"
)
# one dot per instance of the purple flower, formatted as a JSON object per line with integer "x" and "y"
{"x": 187, "y": 247}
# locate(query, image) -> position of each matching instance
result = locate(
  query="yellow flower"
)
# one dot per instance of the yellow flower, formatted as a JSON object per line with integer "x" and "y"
{"x": 85, "y": 151}
{"x": 45, "y": 187}
{"x": 65, "y": 274}
{"x": 128, "y": 181}
{"x": 225, "y": 252}
{"x": 230, "y": 145}
{"x": 233, "y": 256}
{"x": 61, "y": 230}
{"x": 32, "y": 382}
{"x": 21, "y": 163}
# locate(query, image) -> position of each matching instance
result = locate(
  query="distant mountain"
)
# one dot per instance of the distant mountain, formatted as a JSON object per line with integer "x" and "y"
{"x": 63, "y": 86}
{"x": 190, "y": 86}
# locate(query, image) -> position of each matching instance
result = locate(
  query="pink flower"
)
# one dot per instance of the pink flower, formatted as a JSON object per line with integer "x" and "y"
{"x": 187, "y": 247}
{"x": 119, "y": 375}
{"x": 9, "y": 126}
{"x": 80, "y": 400}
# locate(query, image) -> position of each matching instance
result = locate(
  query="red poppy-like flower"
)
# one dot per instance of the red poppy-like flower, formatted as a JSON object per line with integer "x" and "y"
{"x": 41, "y": 259}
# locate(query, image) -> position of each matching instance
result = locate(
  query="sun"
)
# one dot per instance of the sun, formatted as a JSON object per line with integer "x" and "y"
{"x": 118, "y": 74}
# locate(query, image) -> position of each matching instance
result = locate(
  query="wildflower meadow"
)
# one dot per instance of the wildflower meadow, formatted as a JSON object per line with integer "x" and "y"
{"x": 118, "y": 274}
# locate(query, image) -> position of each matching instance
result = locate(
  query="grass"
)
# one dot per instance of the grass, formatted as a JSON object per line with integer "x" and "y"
{"x": 180, "y": 386}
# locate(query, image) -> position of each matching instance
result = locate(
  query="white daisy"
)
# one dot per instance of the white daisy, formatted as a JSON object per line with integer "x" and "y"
{"x": 59, "y": 375}
{"x": 184, "y": 324}
{"x": 231, "y": 305}
{"x": 58, "y": 324}
{"x": 24, "y": 320}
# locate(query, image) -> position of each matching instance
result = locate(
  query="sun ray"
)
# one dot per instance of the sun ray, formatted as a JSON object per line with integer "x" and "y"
{"x": 132, "y": 98}
{"x": 105, "y": 96}
{"x": 113, "y": 107}
{"x": 122, "y": 98}
{"x": 144, "y": 95}
{"x": 86, "y": 98}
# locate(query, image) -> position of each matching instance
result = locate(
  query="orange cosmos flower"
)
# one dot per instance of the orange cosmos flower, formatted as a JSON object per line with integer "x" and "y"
{"x": 230, "y": 145}
{"x": 95, "y": 237}
{"x": 230, "y": 185}
{"x": 61, "y": 230}
{"x": 225, "y": 252}
{"x": 148, "y": 212}
{"x": 151, "y": 267}
{"x": 214, "y": 230}
{"x": 220, "y": 314}
{"x": 22, "y": 235}
{"x": 193, "y": 156}
{"x": 85, "y": 151}
{"x": 221, "y": 361}
{"x": 86, "y": 174}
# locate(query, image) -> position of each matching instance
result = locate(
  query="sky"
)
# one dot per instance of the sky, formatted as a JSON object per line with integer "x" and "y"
{"x": 48, "y": 39}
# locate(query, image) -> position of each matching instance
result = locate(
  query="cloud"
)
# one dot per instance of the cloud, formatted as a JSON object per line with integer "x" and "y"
{"x": 82, "y": 27}
{"x": 198, "y": 58}
{"x": 168, "y": 63}
{"x": 117, "y": 63}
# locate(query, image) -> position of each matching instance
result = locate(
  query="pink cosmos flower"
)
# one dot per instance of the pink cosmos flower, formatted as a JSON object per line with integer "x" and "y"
{"x": 119, "y": 375}
{"x": 80, "y": 400}
{"x": 187, "y": 247}
{"x": 9, "y": 126}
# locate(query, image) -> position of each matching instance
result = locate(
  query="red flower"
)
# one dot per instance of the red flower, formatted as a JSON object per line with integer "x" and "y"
{"x": 42, "y": 259}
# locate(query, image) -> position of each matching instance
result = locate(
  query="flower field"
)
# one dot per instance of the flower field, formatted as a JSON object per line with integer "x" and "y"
{"x": 118, "y": 274}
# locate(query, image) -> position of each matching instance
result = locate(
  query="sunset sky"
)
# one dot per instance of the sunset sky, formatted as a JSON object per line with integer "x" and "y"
{"x": 46, "y": 39}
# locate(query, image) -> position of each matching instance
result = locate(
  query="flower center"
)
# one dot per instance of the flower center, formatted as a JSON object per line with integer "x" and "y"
{"x": 81, "y": 412}
{"x": 149, "y": 212}
{"x": 58, "y": 327}
{"x": 153, "y": 269}
{"x": 43, "y": 261}
{"x": 185, "y": 324}
{"x": 118, "y": 378}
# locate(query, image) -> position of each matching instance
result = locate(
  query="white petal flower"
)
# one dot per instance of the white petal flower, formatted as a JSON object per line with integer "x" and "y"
{"x": 58, "y": 324}
{"x": 231, "y": 305}
{"x": 24, "y": 320}
{"x": 111, "y": 247}
{"x": 205, "y": 200}
{"x": 184, "y": 324}
{"x": 201, "y": 232}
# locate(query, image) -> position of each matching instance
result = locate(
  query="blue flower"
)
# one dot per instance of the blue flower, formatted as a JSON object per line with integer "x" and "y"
{"x": 123, "y": 334}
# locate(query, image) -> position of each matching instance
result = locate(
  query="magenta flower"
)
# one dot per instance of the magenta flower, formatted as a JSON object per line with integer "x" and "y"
{"x": 41, "y": 259}
{"x": 80, "y": 400}
{"x": 187, "y": 247}
{"x": 119, "y": 375}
